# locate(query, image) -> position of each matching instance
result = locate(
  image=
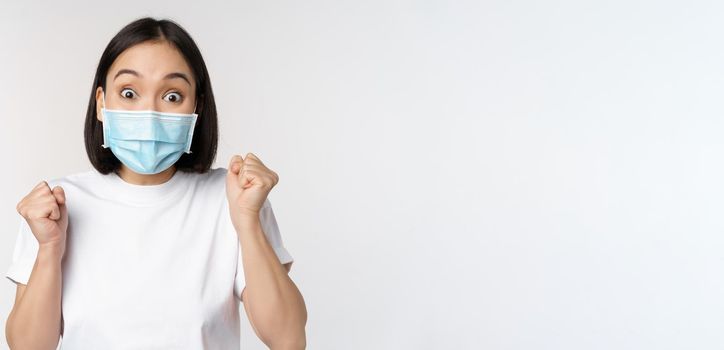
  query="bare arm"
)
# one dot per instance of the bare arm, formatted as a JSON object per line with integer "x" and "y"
{"x": 272, "y": 301}
{"x": 35, "y": 320}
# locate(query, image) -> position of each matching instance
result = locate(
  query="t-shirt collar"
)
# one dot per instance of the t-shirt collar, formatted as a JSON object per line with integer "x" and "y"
{"x": 145, "y": 194}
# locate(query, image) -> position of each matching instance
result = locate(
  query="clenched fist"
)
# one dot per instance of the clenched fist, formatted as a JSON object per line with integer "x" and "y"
{"x": 248, "y": 182}
{"x": 44, "y": 210}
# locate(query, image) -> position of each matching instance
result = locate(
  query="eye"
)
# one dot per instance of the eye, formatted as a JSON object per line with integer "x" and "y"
{"x": 173, "y": 97}
{"x": 128, "y": 93}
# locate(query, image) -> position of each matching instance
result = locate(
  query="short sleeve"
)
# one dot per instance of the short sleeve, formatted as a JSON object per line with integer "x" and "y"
{"x": 273, "y": 235}
{"x": 24, "y": 253}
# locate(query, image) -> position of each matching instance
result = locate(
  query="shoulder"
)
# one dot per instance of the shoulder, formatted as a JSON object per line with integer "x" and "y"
{"x": 211, "y": 182}
{"x": 215, "y": 177}
{"x": 78, "y": 179}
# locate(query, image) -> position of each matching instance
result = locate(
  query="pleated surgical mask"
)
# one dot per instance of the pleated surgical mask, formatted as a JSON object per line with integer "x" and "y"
{"x": 147, "y": 141}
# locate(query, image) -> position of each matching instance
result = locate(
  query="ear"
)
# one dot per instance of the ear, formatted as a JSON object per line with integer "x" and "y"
{"x": 99, "y": 102}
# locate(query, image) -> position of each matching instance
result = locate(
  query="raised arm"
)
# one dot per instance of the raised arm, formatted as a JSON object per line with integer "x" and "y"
{"x": 35, "y": 321}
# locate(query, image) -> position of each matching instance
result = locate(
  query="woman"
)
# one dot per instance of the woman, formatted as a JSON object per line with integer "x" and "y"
{"x": 152, "y": 249}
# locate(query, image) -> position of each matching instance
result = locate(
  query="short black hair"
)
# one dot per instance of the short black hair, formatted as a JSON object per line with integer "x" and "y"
{"x": 206, "y": 134}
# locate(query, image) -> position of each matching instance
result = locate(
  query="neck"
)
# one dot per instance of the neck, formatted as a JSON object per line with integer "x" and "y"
{"x": 132, "y": 177}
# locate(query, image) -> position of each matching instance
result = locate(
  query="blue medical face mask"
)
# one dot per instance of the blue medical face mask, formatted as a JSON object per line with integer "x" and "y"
{"x": 147, "y": 141}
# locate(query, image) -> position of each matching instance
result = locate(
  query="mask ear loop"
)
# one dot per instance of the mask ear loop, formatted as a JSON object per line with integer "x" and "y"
{"x": 104, "y": 122}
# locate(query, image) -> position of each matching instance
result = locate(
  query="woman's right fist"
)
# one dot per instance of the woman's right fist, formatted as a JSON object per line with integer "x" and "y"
{"x": 44, "y": 210}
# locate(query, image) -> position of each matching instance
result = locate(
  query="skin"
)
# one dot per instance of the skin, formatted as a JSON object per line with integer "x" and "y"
{"x": 273, "y": 303}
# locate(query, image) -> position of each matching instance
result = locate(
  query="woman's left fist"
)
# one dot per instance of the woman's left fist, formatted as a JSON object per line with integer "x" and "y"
{"x": 248, "y": 182}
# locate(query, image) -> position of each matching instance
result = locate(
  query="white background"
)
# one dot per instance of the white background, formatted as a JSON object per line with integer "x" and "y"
{"x": 454, "y": 175}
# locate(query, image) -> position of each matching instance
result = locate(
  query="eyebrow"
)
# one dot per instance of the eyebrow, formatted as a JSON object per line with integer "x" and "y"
{"x": 168, "y": 76}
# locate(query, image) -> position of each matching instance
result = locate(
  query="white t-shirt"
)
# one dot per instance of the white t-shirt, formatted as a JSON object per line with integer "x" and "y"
{"x": 148, "y": 267}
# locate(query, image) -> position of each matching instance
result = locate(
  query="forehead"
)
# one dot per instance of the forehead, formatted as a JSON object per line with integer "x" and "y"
{"x": 153, "y": 60}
